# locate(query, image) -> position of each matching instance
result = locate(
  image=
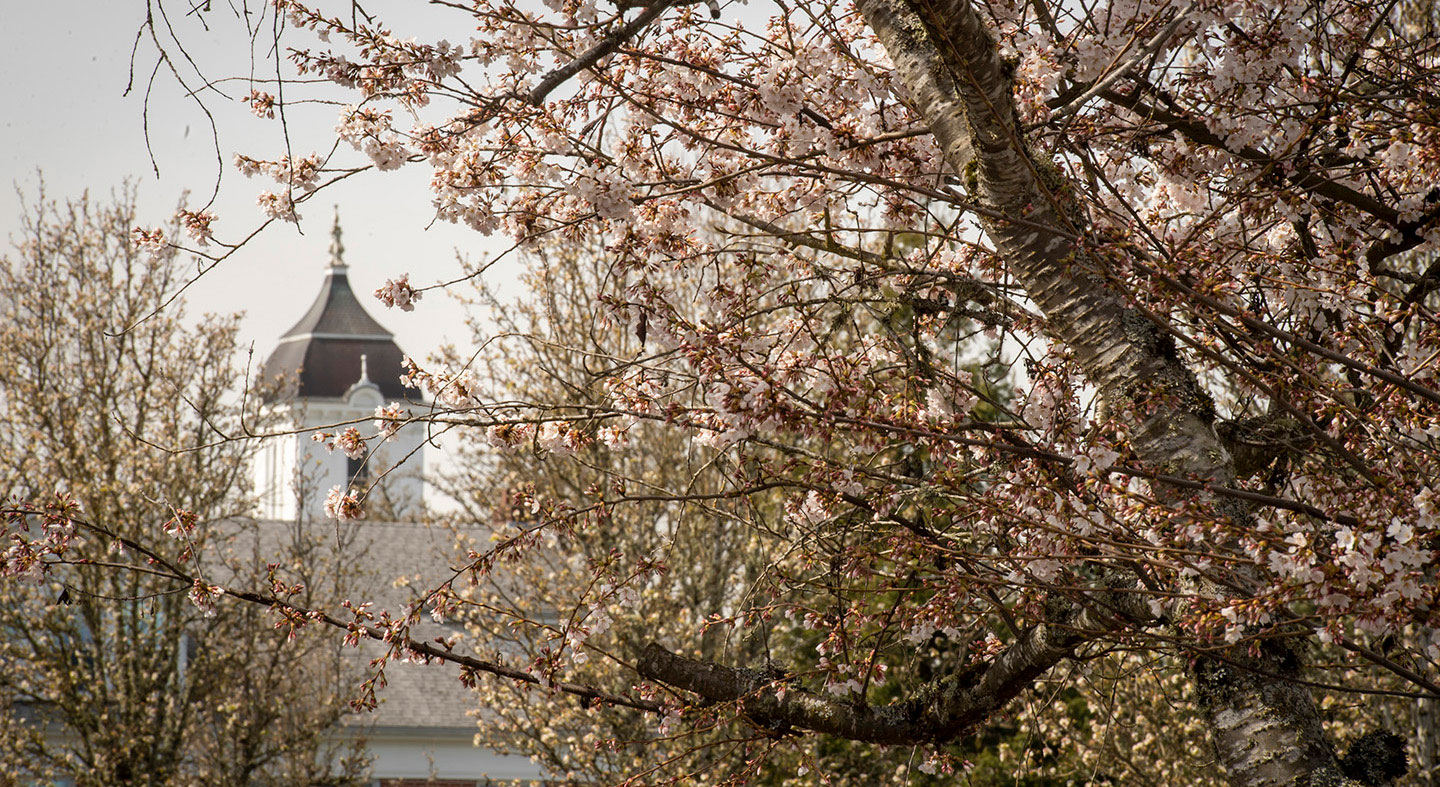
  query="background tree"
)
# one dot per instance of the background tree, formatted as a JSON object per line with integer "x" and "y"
{"x": 1187, "y": 221}
{"x": 703, "y": 547}
{"x": 113, "y": 676}
{"x": 572, "y": 600}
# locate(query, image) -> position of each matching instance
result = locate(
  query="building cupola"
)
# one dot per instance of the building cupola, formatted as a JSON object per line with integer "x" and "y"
{"x": 336, "y": 368}
{"x": 320, "y": 357}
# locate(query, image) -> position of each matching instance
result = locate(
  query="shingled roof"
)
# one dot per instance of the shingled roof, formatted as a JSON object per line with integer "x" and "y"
{"x": 320, "y": 355}
{"x": 390, "y": 564}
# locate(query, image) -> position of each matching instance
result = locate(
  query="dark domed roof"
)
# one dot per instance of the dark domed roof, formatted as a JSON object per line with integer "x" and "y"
{"x": 320, "y": 356}
{"x": 337, "y": 312}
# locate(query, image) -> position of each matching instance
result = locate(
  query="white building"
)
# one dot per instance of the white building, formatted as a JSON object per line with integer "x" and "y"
{"x": 338, "y": 364}
{"x": 334, "y": 368}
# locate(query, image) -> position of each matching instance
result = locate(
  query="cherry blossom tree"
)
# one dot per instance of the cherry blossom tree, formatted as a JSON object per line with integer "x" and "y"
{"x": 568, "y": 605}
{"x": 1199, "y": 235}
{"x": 114, "y": 674}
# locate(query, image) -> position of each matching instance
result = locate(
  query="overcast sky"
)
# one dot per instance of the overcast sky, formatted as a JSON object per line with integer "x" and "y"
{"x": 65, "y": 113}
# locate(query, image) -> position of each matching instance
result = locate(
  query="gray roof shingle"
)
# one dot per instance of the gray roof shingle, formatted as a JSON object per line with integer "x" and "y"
{"x": 391, "y": 565}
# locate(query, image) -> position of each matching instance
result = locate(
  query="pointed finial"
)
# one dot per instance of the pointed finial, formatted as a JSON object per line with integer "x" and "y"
{"x": 337, "y": 249}
{"x": 364, "y": 370}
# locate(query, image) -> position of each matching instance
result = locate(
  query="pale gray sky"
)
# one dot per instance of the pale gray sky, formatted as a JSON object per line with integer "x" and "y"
{"x": 67, "y": 64}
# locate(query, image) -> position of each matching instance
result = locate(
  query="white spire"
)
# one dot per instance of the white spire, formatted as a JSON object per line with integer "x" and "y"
{"x": 337, "y": 249}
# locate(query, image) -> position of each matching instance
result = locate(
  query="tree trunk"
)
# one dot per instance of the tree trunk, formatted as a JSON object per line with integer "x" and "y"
{"x": 1265, "y": 725}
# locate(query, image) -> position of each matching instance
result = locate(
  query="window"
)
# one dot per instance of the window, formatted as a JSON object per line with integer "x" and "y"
{"x": 357, "y": 471}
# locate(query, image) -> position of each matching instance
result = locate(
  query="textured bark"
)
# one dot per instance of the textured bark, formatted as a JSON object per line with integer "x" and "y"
{"x": 939, "y": 711}
{"x": 1266, "y": 728}
{"x": 944, "y": 46}
{"x": 1427, "y": 734}
{"x": 1265, "y": 725}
